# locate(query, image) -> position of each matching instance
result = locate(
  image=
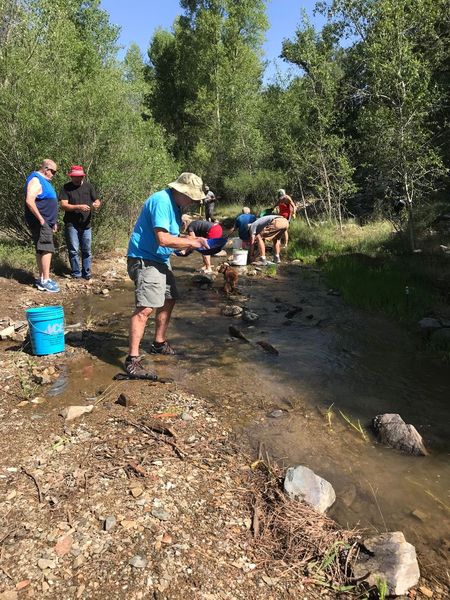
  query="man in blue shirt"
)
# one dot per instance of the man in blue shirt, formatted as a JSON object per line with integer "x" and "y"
{"x": 41, "y": 213}
{"x": 241, "y": 224}
{"x": 155, "y": 237}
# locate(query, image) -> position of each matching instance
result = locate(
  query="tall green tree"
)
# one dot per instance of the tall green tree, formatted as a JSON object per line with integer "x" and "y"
{"x": 398, "y": 97}
{"x": 319, "y": 154}
{"x": 205, "y": 80}
{"x": 64, "y": 95}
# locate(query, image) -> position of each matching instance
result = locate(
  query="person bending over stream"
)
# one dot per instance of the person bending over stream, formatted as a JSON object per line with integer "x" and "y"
{"x": 208, "y": 230}
{"x": 155, "y": 237}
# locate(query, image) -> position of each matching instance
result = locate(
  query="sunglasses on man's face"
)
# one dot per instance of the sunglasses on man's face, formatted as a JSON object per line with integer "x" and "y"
{"x": 51, "y": 170}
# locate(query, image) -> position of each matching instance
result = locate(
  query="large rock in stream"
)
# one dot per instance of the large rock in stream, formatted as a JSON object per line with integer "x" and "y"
{"x": 303, "y": 484}
{"x": 388, "y": 557}
{"x": 392, "y": 430}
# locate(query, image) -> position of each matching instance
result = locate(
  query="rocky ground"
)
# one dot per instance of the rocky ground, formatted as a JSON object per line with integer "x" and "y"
{"x": 148, "y": 496}
{"x": 110, "y": 506}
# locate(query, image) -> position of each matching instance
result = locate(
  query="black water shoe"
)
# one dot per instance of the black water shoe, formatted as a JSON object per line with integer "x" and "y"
{"x": 136, "y": 370}
{"x": 162, "y": 348}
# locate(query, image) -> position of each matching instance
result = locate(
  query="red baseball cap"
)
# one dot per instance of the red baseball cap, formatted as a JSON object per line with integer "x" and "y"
{"x": 76, "y": 171}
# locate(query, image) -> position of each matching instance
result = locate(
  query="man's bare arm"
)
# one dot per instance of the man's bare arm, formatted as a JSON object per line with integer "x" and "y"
{"x": 167, "y": 240}
{"x": 34, "y": 188}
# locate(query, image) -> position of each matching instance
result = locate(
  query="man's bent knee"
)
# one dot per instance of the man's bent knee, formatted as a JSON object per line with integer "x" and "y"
{"x": 142, "y": 312}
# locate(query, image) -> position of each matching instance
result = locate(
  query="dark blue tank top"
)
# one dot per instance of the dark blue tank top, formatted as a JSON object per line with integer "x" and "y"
{"x": 46, "y": 201}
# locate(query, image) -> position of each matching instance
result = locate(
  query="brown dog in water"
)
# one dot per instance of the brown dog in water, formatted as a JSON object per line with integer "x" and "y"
{"x": 230, "y": 277}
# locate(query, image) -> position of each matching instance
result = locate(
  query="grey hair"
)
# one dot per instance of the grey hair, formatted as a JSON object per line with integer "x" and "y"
{"x": 47, "y": 163}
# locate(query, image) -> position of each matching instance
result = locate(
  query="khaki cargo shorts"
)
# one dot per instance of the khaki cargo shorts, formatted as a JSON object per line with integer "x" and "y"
{"x": 154, "y": 282}
{"x": 275, "y": 230}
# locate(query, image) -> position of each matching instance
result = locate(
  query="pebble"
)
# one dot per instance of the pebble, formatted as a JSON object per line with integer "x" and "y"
{"x": 109, "y": 523}
{"x": 419, "y": 514}
{"x": 425, "y": 591}
{"x": 9, "y": 595}
{"x": 187, "y": 416}
{"x": 45, "y": 563}
{"x": 78, "y": 561}
{"x": 63, "y": 545}
{"x": 160, "y": 514}
{"x": 276, "y": 414}
{"x": 21, "y": 585}
{"x": 136, "y": 492}
{"x": 138, "y": 562}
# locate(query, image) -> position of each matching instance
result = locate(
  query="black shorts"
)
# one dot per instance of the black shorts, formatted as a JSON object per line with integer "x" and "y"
{"x": 42, "y": 236}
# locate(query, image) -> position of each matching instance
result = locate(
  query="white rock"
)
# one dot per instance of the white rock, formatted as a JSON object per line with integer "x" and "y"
{"x": 302, "y": 483}
{"x": 45, "y": 563}
{"x": 109, "y": 523}
{"x": 390, "y": 558}
{"x": 73, "y": 412}
{"x": 7, "y": 332}
{"x": 138, "y": 562}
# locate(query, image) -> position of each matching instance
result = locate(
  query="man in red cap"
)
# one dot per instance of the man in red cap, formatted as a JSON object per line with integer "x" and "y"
{"x": 78, "y": 198}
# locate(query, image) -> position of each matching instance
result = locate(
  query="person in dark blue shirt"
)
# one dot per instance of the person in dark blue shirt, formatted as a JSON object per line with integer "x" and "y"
{"x": 241, "y": 225}
{"x": 41, "y": 213}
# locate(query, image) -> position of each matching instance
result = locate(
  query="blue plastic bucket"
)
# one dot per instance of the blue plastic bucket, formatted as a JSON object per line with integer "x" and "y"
{"x": 46, "y": 325}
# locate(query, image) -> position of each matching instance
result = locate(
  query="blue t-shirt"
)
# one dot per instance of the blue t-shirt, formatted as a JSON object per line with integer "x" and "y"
{"x": 242, "y": 222}
{"x": 46, "y": 201}
{"x": 161, "y": 211}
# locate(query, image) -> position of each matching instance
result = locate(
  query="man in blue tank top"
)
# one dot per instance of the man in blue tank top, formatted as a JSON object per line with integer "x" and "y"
{"x": 41, "y": 213}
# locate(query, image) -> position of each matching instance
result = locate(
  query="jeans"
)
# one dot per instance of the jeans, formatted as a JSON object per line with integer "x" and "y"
{"x": 75, "y": 239}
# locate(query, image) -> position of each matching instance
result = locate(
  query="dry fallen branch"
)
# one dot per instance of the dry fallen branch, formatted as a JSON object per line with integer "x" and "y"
{"x": 292, "y": 534}
{"x": 36, "y": 483}
{"x": 151, "y": 432}
{"x": 137, "y": 469}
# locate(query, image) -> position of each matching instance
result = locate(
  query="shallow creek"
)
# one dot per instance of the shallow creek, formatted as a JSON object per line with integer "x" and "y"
{"x": 330, "y": 355}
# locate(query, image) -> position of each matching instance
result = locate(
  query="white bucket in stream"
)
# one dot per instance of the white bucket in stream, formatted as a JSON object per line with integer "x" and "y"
{"x": 240, "y": 257}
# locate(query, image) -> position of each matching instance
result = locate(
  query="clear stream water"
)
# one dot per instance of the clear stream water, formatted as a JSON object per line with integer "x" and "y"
{"x": 329, "y": 355}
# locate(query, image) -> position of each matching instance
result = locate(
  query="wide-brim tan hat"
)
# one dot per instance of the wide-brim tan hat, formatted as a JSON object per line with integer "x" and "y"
{"x": 190, "y": 185}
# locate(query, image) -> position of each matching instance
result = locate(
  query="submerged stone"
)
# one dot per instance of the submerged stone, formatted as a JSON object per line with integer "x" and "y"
{"x": 393, "y": 431}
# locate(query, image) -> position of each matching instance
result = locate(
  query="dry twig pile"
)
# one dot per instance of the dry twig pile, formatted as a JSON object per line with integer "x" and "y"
{"x": 293, "y": 536}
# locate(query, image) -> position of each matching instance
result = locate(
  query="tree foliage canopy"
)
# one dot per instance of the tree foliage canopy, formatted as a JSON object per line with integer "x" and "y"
{"x": 361, "y": 121}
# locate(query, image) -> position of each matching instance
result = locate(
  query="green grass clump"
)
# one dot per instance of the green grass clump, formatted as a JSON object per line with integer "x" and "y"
{"x": 308, "y": 243}
{"x": 383, "y": 287}
{"x": 16, "y": 256}
{"x": 233, "y": 210}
